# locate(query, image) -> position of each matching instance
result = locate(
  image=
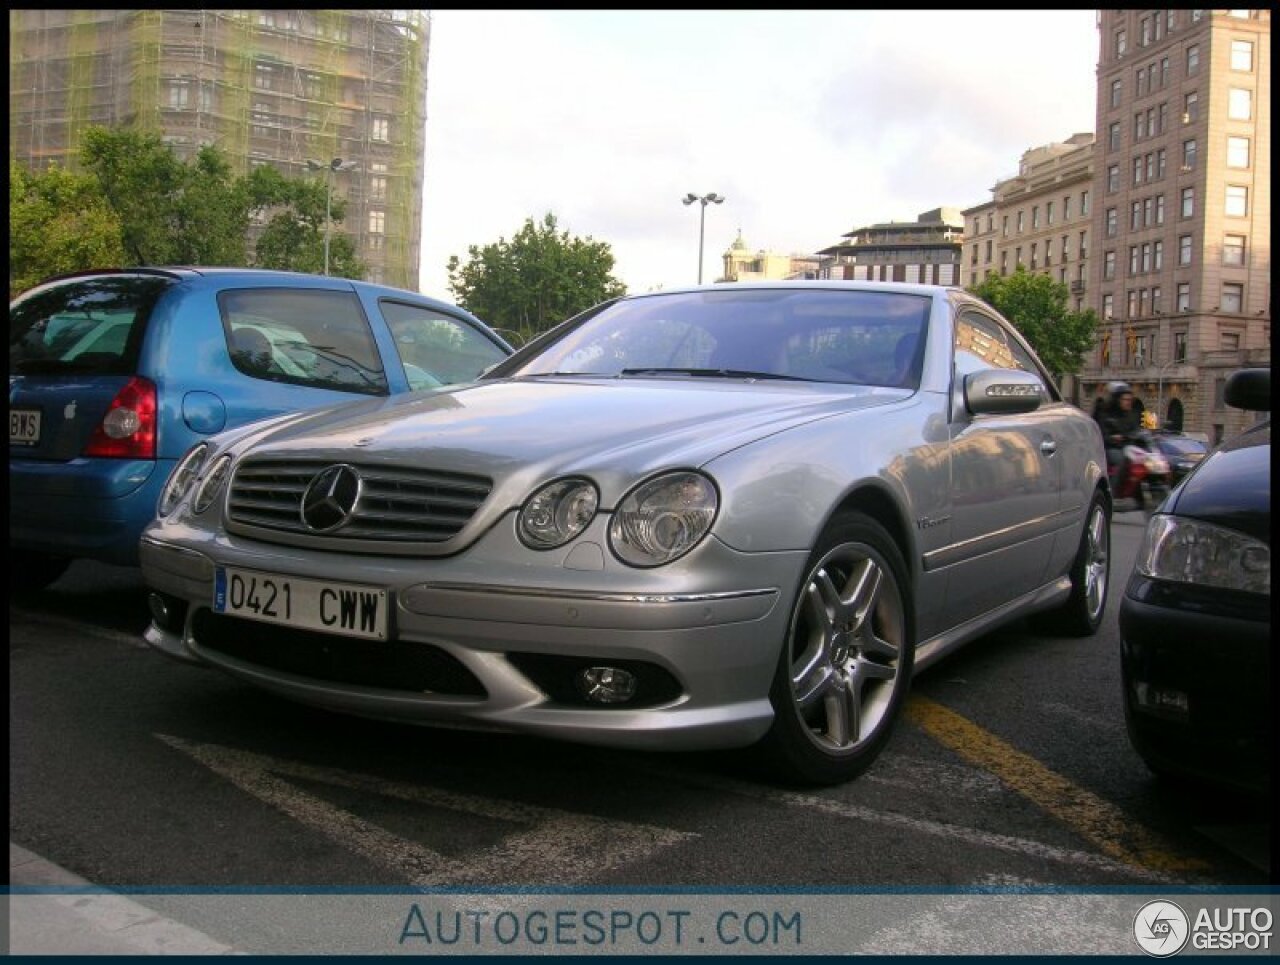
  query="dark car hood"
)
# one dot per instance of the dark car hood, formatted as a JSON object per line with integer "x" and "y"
{"x": 526, "y": 431}
{"x": 1232, "y": 486}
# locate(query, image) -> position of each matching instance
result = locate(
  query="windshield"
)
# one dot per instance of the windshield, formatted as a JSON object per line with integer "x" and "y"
{"x": 91, "y": 325}
{"x": 817, "y": 335}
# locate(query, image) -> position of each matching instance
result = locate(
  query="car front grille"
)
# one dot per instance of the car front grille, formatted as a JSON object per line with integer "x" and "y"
{"x": 396, "y": 503}
{"x": 396, "y": 665}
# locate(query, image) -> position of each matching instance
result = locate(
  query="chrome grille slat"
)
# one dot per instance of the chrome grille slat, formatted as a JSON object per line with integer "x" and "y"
{"x": 397, "y": 504}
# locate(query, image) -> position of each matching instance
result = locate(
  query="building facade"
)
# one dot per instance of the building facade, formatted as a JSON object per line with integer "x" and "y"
{"x": 926, "y": 251}
{"x": 277, "y": 87}
{"x": 1181, "y": 273}
{"x": 1038, "y": 218}
{"x": 741, "y": 264}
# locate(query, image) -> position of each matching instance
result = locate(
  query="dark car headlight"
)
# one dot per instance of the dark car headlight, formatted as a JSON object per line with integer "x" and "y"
{"x": 212, "y": 484}
{"x": 557, "y": 513}
{"x": 1183, "y": 550}
{"x": 662, "y": 519}
{"x": 183, "y": 475}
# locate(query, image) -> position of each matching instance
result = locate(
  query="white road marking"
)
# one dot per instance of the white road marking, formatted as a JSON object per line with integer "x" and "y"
{"x": 551, "y": 846}
{"x": 932, "y": 777}
{"x": 954, "y": 832}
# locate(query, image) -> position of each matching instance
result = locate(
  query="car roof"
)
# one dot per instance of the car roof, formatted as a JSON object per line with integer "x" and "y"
{"x": 826, "y": 284}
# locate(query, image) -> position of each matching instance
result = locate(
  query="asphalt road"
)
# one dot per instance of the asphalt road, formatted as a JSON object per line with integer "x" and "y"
{"x": 1012, "y": 767}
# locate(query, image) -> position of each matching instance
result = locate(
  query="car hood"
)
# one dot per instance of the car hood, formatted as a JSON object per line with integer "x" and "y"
{"x": 1232, "y": 486}
{"x": 523, "y": 432}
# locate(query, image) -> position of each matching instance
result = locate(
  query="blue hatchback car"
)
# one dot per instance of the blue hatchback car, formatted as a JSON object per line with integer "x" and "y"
{"x": 113, "y": 375}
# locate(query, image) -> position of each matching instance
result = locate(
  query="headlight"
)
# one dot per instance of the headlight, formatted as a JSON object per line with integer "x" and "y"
{"x": 212, "y": 484}
{"x": 183, "y": 475}
{"x": 1187, "y": 551}
{"x": 557, "y": 513}
{"x": 663, "y": 519}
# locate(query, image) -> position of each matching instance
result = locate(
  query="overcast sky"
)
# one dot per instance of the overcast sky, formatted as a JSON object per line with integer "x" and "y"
{"x": 810, "y": 123}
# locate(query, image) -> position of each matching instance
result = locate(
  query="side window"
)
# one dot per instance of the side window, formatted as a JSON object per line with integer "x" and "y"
{"x": 304, "y": 337}
{"x": 983, "y": 343}
{"x": 435, "y": 348}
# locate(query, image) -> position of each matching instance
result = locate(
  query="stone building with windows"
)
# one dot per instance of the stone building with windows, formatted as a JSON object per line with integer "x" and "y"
{"x": 277, "y": 87}
{"x": 1038, "y": 218}
{"x": 1181, "y": 223}
{"x": 741, "y": 264}
{"x": 926, "y": 251}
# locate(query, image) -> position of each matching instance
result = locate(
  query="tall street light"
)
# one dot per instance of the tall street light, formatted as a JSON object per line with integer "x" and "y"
{"x": 706, "y": 199}
{"x": 337, "y": 164}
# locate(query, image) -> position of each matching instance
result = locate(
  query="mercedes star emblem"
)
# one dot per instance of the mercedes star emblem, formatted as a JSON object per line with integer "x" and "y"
{"x": 330, "y": 498}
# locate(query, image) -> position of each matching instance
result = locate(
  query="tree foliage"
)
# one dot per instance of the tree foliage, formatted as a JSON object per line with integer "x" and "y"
{"x": 138, "y": 203}
{"x": 58, "y": 222}
{"x": 1037, "y": 306}
{"x": 536, "y": 280}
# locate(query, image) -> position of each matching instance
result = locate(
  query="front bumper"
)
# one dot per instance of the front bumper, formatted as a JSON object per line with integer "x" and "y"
{"x": 1196, "y": 666}
{"x": 713, "y": 623}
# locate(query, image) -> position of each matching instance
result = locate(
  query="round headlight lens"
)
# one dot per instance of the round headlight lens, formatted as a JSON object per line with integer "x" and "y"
{"x": 212, "y": 484}
{"x": 183, "y": 475}
{"x": 663, "y": 519}
{"x": 557, "y": 513}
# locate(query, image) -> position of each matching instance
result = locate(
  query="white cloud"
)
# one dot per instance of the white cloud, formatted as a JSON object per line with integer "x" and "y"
{"x": 810, "y": 123}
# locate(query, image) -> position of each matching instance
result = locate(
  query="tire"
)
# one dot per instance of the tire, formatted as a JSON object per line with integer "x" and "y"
{"x": 1082, "y": 613}
{"x": 30, "y": 571}
{"x": 845, "y": 666}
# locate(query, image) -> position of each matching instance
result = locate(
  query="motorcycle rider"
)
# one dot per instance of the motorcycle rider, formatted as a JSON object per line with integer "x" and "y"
{"x": 1121, "y": 424}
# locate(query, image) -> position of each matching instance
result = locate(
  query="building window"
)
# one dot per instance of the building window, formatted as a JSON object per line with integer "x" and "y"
{"x": 1233, "y": 250}
{"x": 1184, "y": 250}
{"x": 1131, "y": 309}
{"x": 377, "y": 222}
{"x": 1157, "y": 255}
{"x": 1164, "y": 71}
{"x": 1133, "y": 260}
{"x": 1108, "y": 306}
{"x": 1004, "y": 226}
{"x": 1137, "y": 170}
{"x": 1144, "y": 32}
{"x": 1237, "y": 152}
{"x": 1021, "y": 215}
{"x": 263, "y": 77}
{"x": 1242, "y": 55}
{"x": 1113, "y": 136}
{"x": 987, "y": 255}
{"x": 1004, "y": 262}
{"x": 1162, "y": 118}
{"x": 1034, "y": 245}
{"x": 378, "y": 189}
{"x": 1155, "y": 300}
{"x": 1111, "y": 223}
{"x": 1035, "y": 216}
{"x": 1122, "y": 43}
{"x": 1171, "y": 21}
{"x": 1237, "y": 201}
{"x": 1066, "y": 248}
{"x": 1233, "y": 297}
{"x": 1084, "y": 245}
{"x": 1193, "y": 60}
{"x": 1084, "y": 202}
{"x": 1184, "y": 296}
{"x": 1139, "y": 126}
{"x": 1179, "y": 346}
{"x": 1188, "y": 202}
{"x": 1113, "y": 178}
{"x": 1048, "y": 213}
{"x": 1066, "y": 207}
{"x": 179, "y": 94}
{"x": 1189, "y": 154}
{"x": 1117, "y": 90}
{"x": 1151, "y": 167}
{"x": 380, "y": 130}
{"x": 1240, "y": 104}
{"x": 1159, "y": 209}
{"x": 1160, "y": 159}
{"x": 1017, "y": 257}
{"x": 1228, "y": 342}
{"x": 1146, "y": 257}
{"x": 1109, "y": 266}
{"x": 1191, "y": 108}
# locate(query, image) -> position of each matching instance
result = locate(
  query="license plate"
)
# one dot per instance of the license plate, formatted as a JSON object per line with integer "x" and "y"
{"x": 341, "y": 608}
{"x": 24, "y": 427}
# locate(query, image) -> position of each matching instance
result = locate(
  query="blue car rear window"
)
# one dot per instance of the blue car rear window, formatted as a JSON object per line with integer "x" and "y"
{"x": 89, "y": 325}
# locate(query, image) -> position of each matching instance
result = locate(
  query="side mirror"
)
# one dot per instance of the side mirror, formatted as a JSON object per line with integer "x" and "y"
{"x": 1249, "y": 389}
{"x": 1002, "y": 392}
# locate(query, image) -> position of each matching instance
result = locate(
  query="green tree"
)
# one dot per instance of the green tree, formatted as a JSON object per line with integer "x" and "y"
{"x": 58, "y": 222}
{"x": 536, "y": 280}
{"x": 1037, "y": 306}
{"x": 293, "y": 239}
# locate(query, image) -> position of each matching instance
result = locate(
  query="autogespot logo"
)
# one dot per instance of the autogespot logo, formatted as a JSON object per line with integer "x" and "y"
{"x": 1161, "y": 928}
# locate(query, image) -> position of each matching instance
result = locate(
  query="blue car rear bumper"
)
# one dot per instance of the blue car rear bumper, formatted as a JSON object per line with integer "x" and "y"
{"x": 85, "y": 508}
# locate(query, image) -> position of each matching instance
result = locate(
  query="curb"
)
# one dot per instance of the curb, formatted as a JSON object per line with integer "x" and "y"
{"x": 97, "y": 923}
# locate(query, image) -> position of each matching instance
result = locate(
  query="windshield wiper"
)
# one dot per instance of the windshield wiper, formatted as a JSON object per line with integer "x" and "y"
{"x": 715, "y": 373}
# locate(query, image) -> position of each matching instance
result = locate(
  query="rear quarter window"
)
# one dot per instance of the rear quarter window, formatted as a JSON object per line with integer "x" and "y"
{"x": 436, "y": 348}
{"x": 90, "y": 326}
{"x": 303, "y": 337}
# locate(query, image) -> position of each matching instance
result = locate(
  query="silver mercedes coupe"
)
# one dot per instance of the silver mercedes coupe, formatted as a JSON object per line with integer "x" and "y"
{"x": 705, "y": 518}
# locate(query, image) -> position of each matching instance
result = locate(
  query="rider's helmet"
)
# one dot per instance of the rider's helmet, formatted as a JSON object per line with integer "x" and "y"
{"x": 1117, "y": 389}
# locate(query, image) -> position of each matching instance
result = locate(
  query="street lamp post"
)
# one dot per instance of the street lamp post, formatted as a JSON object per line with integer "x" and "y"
{"x": 706, "y": 199}
{"x": 337, "y": 164}
{"x": 1160, "y": 389}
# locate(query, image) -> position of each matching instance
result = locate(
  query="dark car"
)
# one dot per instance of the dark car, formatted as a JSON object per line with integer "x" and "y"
{"x": 1195, "y": 621}
{"x": 1182, "y": 451}
{"x": 114, "y": 374}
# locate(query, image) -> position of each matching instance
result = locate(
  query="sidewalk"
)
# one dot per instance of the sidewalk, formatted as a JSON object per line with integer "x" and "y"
{"x": 97, "y": 923}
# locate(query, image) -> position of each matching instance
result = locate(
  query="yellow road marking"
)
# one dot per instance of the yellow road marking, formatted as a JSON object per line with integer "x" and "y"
{"x": 1109, "y": 828}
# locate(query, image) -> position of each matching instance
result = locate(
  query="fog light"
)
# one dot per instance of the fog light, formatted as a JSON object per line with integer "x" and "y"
{"x": 168, "y": 612}
{"x": 159, "y": 609}
{"x": 607, "y": 685}
{"x": 1166, "y": 703}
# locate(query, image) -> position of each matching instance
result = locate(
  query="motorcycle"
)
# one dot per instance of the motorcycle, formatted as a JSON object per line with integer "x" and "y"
{"x": 1142, "y": 480}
